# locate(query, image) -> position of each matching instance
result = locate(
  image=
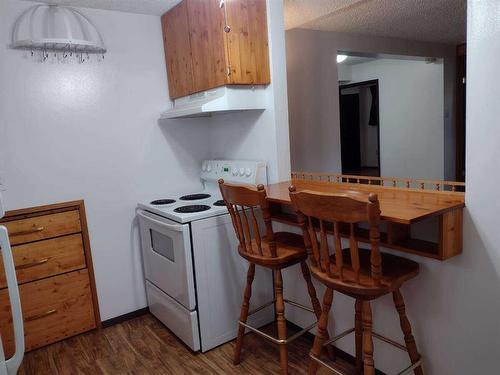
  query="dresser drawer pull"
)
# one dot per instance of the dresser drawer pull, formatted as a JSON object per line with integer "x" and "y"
{"x": 26, "y": 232}
{"x": 40, "y": 316}
{"x": 32, "y": 264}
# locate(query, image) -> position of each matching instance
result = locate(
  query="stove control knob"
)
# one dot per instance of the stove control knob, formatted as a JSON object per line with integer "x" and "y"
{"x": 209, "y": 168}
{"x": 235, "y": 171}
{"x": 248, "y": 172}
{"x": 242, "y": 171}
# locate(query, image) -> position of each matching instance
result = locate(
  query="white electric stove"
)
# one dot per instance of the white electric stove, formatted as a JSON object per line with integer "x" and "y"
{"x": 194, "y": 275}
{"x": 187, "y": 207}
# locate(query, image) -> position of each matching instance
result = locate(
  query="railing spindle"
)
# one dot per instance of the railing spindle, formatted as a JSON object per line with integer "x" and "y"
{"x": 446, "y": 186}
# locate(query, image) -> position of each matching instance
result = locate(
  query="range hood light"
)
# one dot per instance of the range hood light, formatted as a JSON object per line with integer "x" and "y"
{"x": 341, "y": 58}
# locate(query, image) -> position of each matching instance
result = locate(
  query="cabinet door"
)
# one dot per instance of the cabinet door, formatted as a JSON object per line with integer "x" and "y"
{"x": 206, "y": 23}
{"x": 247, "y": 41}
{"x": 53, "y": 309}
{"x": 178, "y": 51}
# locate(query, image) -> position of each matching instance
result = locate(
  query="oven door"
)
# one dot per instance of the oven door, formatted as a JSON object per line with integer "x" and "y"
{"x": 166, "y": 250}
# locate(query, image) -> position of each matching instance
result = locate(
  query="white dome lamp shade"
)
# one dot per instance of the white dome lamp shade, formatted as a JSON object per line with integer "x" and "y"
{"x": 56, "y": 28}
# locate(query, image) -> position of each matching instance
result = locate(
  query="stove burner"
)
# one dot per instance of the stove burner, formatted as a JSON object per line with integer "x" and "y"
{"x": 160, "y": 202}
{"x": 192, "y": 208}
{"x": 193, "y": 197}
{"x": 220, "y": 203}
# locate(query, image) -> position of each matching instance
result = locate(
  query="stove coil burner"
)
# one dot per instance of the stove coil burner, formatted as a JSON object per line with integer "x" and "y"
{"x": 160, "y": 202}
{"x": 194, "y": 197}
{"x": 220, "y": 203}
{"x": 192, "y": 208}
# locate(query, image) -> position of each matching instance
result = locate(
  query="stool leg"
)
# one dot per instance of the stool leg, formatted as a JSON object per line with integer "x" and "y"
{"x": 322, "y": 333}
{"x": 244, "y": 313}
{"x": 411, "y": 346}
{"x": 280, "y": 318}
{"x": 315, "y": 302}
{"x": 358, "y": 306}
{"x": 368, "y": 363}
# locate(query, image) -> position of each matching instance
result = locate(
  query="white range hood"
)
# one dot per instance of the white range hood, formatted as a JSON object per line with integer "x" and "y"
{"x": 219, "y": 100}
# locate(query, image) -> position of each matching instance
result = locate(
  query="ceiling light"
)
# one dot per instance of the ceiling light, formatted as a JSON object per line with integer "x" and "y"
{"x": 341, "y": 58}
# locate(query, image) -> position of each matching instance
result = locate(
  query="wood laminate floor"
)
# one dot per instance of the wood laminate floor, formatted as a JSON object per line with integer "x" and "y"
{"x": 144, "y": 346}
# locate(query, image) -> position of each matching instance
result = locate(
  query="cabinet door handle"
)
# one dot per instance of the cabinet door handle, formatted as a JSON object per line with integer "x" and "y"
{"x": 30, "y": 231}
{"x": 40, "y": 316}
{"x": 222, "y": 5}
{"x": 32, "y": 264}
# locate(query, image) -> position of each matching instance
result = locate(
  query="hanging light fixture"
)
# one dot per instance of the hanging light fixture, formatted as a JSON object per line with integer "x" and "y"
{"x": 57, "y": 29}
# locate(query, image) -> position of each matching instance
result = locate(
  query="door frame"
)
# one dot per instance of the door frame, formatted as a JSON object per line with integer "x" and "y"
{"x": 372, "y": 82}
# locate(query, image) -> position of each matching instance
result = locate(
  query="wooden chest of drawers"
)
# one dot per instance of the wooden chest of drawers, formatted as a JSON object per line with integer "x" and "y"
{"x": 53, "y": 262}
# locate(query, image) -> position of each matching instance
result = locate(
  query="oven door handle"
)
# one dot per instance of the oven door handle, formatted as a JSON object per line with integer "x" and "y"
{"x": 175, "y": 227}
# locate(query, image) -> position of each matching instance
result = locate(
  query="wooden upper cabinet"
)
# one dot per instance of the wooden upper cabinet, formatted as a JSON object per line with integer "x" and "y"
{"x": 247, "y": 43}
{"x": 206, "y": 34}
{"x": 178, "y": 51}
{"x": 201, "y": 54}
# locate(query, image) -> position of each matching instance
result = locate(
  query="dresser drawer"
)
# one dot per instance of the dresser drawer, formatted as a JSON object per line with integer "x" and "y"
{"x": 38, "y": 260}
{"x": 53, "y": 309}
{"x": 43, "y": 227}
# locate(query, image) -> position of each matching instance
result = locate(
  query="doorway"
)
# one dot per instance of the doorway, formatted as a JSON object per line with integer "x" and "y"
{"x": 460, "y": 113}
{"x": 359, "y": 128}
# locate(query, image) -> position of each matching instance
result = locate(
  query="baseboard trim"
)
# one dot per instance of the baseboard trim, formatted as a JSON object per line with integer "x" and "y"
{"x": 124, "y": 317}
{"x": 339, "y": 352}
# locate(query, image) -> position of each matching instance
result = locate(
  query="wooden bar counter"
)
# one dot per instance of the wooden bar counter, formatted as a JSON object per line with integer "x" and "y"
{"x": 401, "y": 207}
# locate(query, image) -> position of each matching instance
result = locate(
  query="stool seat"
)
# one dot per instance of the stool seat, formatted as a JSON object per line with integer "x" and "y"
{"x": 396, "y": 270}
{"x": 290, "y": 250}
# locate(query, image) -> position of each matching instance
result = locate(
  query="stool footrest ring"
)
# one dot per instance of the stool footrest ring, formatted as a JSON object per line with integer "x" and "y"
{"x": 292, "y": 303}
{"x": 324, "y": 364}
{"x": 275, "y": 340}
{"x": 338, "y": 337}
{"x": 271, "y": 338}
{"x": 375, "y": 335}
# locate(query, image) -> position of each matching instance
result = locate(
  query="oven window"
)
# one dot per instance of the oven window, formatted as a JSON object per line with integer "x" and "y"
{"x": 162, "y": 245}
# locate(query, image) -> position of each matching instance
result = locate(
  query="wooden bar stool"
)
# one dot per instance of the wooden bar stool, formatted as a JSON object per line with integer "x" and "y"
{"x": 275, "y": 251}
{"x": 363, "y": 274}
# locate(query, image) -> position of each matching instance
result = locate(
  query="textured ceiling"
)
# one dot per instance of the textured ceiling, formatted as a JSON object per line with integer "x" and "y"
{"x": 299, "y": 12}
{"x": 154, "y": 7}
{"x": 425, "y": 20}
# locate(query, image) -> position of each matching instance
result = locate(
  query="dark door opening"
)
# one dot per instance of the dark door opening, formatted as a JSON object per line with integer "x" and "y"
{"x": 460, "y": 116}
{"x": 350, "y": 133}
{"x": 359, "y": 129}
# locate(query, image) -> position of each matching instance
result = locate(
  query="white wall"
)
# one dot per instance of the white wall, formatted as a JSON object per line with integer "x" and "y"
{"x": 261, "y": 135}
{"x": 479, "y": 304}
{"x": 411, "y": 99}
{"x": 89, "y": 131}
{"x": 313, "y": 91}
{"x": 453, "y": 305}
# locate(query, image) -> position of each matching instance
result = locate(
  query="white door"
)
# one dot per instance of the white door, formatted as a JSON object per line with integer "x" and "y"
{"x": 220, "y": 281}
{"x": 10, "y": 367}
{"x": 166, "y": 249}
{"x": 3, "y": 365}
